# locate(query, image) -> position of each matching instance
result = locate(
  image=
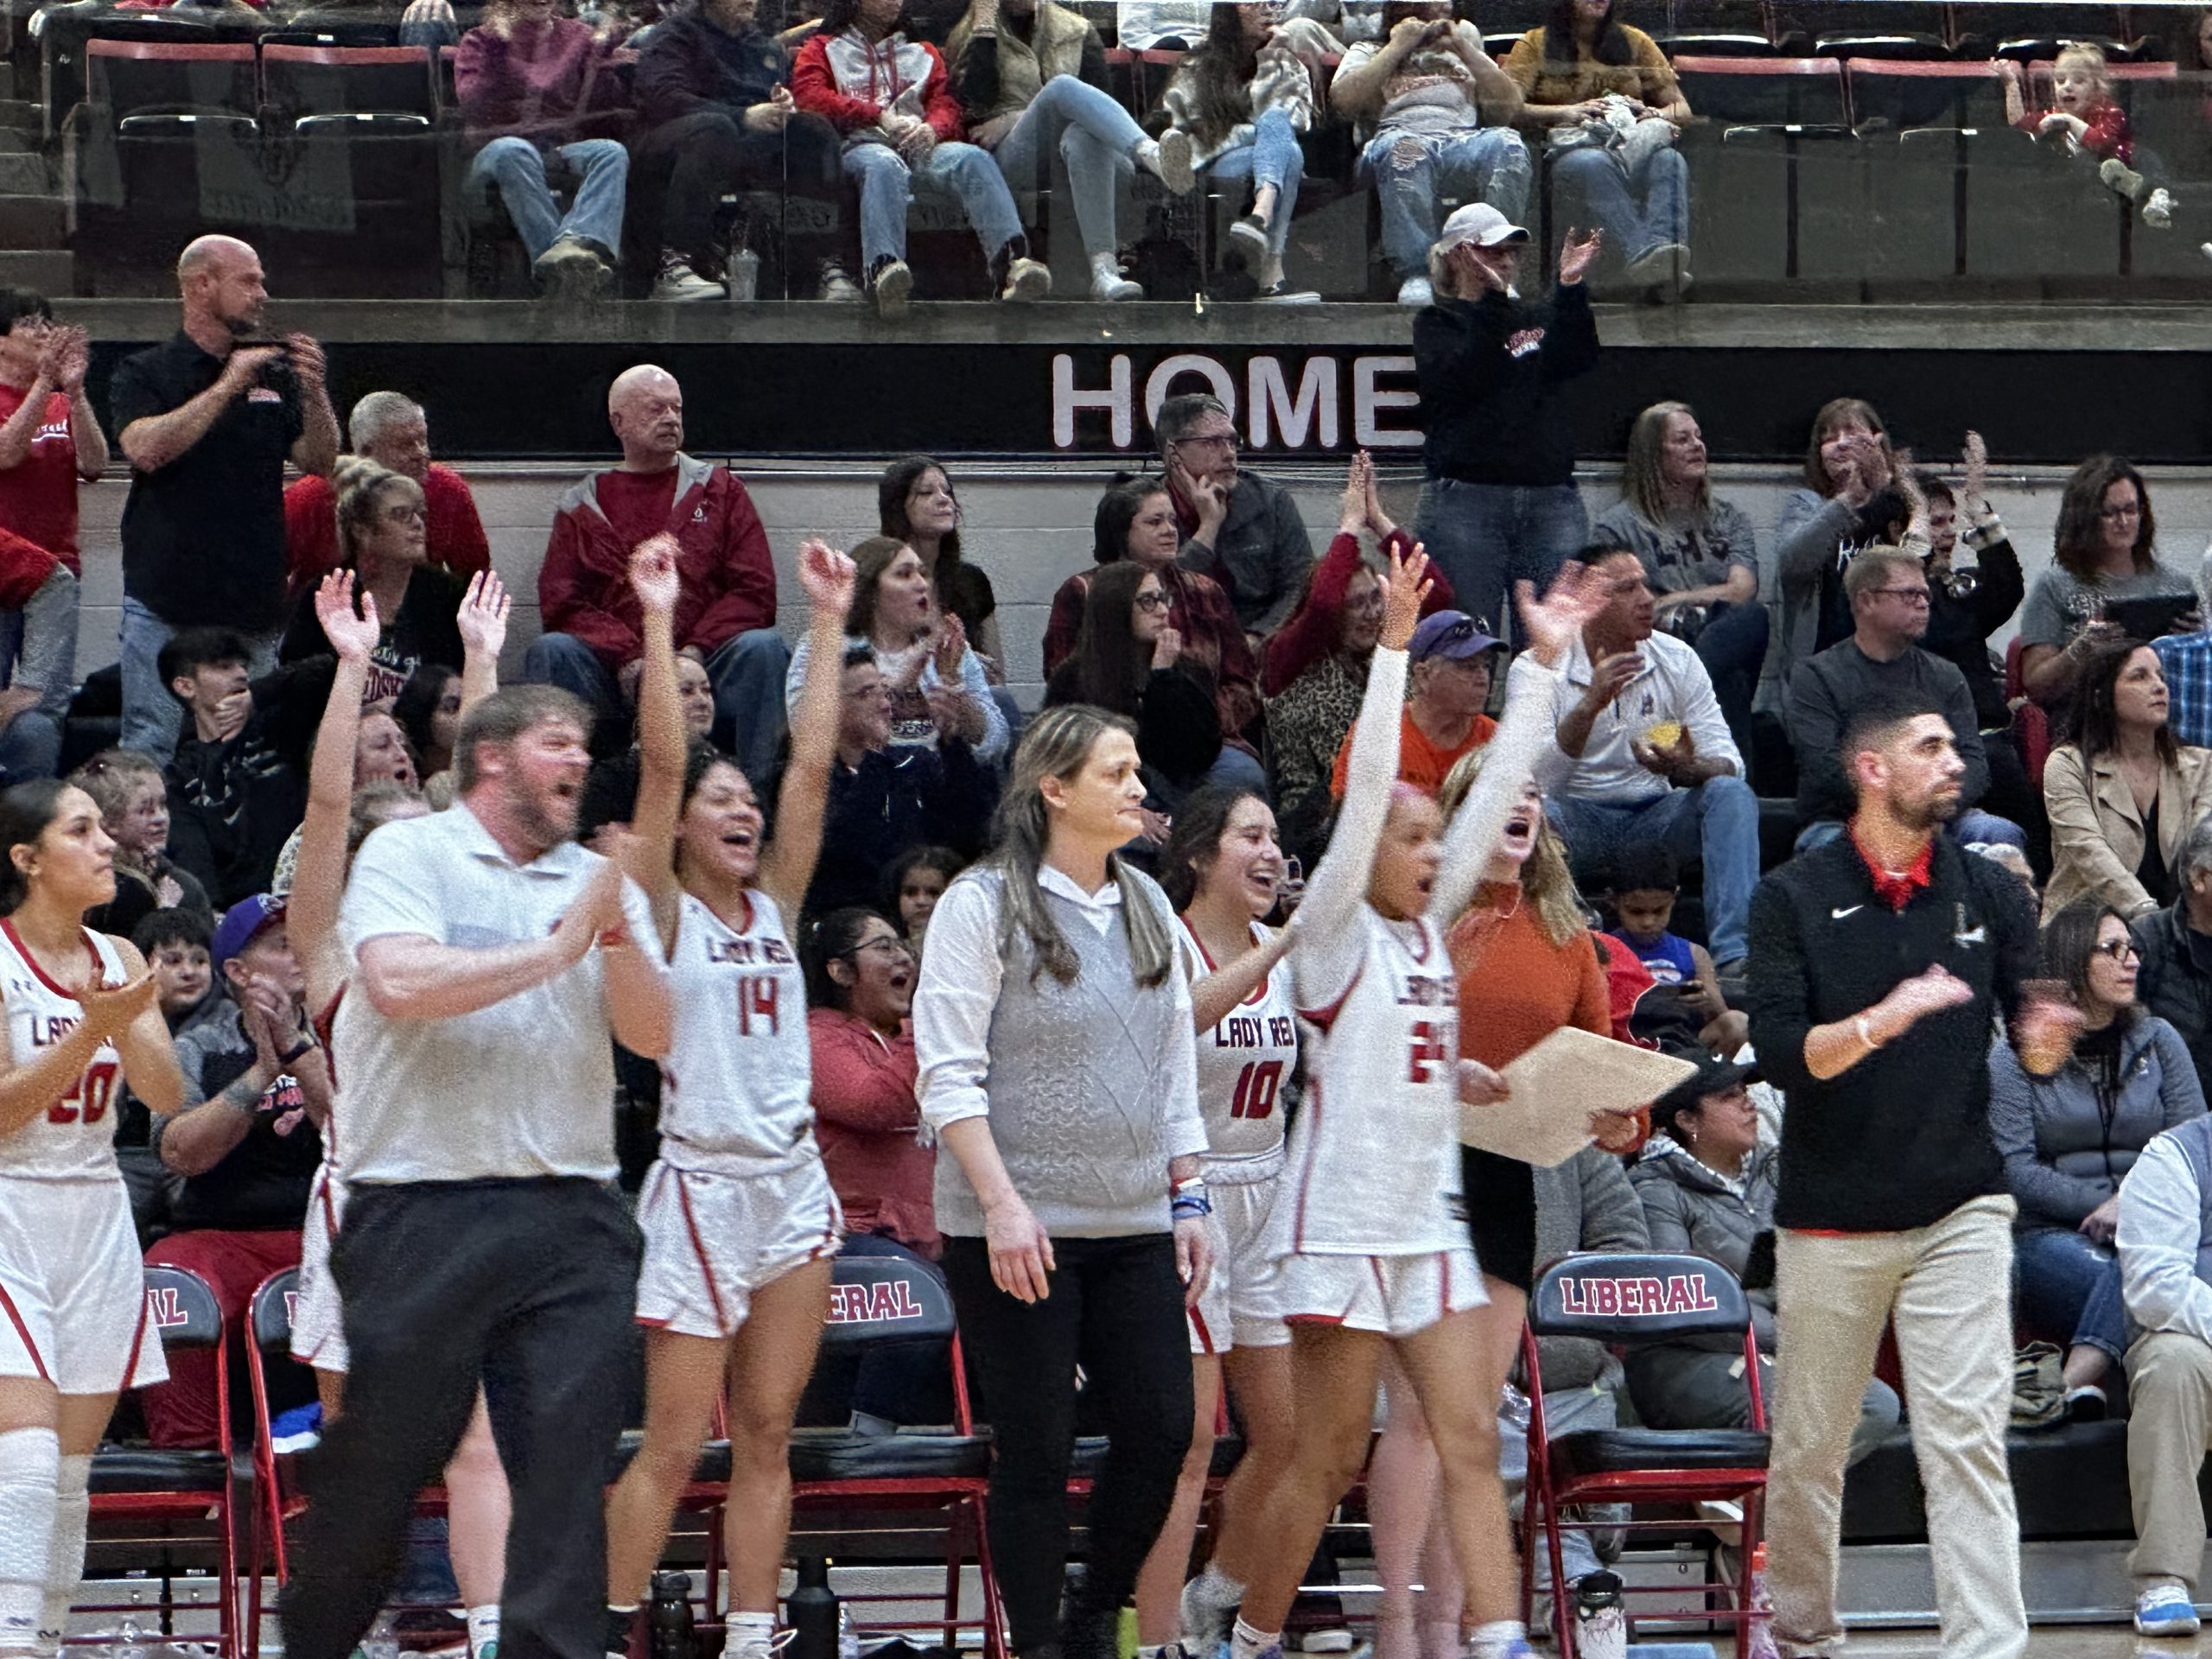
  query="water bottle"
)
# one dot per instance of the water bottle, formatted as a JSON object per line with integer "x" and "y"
{"x": 672, "y": 1632}
{"x": 742, "y": 279}
{"x": 1600, "y": 1621}
{"x": 1761, "y": 1645}
{"x": 381, "y": 1643}
{"x": 813, "y": 1611}
{"x": 848, "y": 1639}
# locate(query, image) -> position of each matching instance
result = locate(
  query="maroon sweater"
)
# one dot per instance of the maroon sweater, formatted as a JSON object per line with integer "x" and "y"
{"x": 552, "y": 85}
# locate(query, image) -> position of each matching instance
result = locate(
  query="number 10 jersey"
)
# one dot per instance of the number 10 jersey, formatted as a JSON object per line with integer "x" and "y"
{"x": 1245, "y": 1064}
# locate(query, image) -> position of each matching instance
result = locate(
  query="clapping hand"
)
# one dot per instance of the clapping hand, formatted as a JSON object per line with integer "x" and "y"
{"x": 828, "y": 577}
{"x": 951, "y": 645}
{"x": 307, "y": 359}
{"x": 1359, "y": 488}
{"x": 483, "y": 619}
{"x": 110, "y": 1010}
{"x": 1575, "y": 256}
{"x": 1551, "y": 624}
{"x": 352, "y": 636}
{"x": 1405, "y": 586}
{"x": 1975, "y": 491}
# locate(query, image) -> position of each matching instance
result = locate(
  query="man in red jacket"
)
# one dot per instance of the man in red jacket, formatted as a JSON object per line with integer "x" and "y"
{"x": 391, "y": 428}
{"x": 592, "y": 630}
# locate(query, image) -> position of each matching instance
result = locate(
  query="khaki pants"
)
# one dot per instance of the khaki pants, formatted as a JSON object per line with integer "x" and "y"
{"x": 1947, "y": 1288}
{"x": 2168, "y": 1429}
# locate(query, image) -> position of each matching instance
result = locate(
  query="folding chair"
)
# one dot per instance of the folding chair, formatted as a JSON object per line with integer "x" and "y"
{"x": 138, "y": 1483}
{"x": 1632, "y": 1300}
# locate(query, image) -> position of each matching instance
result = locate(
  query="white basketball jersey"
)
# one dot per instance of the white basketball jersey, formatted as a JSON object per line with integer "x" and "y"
{"x": 73, "y": 1139}
{"x": 737, "y": 1084}
{"x": 1245, "y": 1064}
{"x": 1375, "y": 1157}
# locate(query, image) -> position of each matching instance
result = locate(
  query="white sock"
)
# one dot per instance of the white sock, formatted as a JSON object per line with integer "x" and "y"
{"x": 30, "y": 1474}
{"x": 1147, "y": 155}
{"x": 1495, "y": 1638}
{"x": 1245, "y": 1643}
{"x": 746, "y": 1628}
{"x": 1216, "y": 1588}
{"x": 65, "y": 1561}
{"x": 483, "y": 1628}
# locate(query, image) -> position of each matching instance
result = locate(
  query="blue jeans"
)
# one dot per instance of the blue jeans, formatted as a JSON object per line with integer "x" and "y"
{"x": 38, "y": 646}
{"x": 1717, "y": 823}
{"x": 1271, "y": 157}
{"x": 963, "y": 172}
{"x": 1973, "y": 824}
{"x": 1732, "y": 646}
{"x": 518, "y": 167}
{"x": 1094, "y": 135}
{"x": 1610, "y": 196}
{"x": 1488, "y": 536}
{"x": 748, "y": 671}
{"x": 2069, "y": 1283}
{"x": 152, "y": 714}
{"x": 1413, "y": 173}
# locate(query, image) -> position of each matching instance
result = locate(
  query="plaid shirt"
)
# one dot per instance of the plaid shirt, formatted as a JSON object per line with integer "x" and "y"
{"x": 2186, "y": 660}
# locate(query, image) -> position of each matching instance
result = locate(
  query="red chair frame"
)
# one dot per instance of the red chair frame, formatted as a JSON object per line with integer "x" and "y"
{"x": 1698, "y": 1297}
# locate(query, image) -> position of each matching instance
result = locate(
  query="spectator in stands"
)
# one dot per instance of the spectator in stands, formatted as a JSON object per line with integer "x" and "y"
{"x": 541, "y": 96}
{"x": 208, "y": 423}
{"x": 2103, "y": 550}
{"x": 245, "y": 1142}
{"x": 1500, "y": 503}
{"x": 1129, "y": 660}
{"x": 428, "y": 710}
{"x": 1887, "y": 589}
{"x": 894, "y": 102}
{"x": 884, "y": 800}
{"x": 2085, "y": 121}
{"x": 2174, "y": 975}
{"x": 1316, "y": 625}
{"x": 2163, "y": 1268}
{"x": 381, "y": 755}
{"x": 1967, "y": 605}
{"x": 1135, "y": 521}
{"x": 592, "y": 630}
{"x": 1708, "y": 1179}
{"x": 383, "y": 538}
{"x": 1613, "y": 109}
{"x": 1244, "y": 97}
{"x": 1700, "y": 555}
{"x": 2069, "y": 1139}
{"x": 2187, "y": 659}
{"x": 1450, "y": 667}
{"x": 914, "y": 502}
{"x": 1243, "y": 530}
{"x": 1031, "y": 76}
{"x": 236, "y": 791}
{"x": 1644, "y": 754}
{"x": 1162, "y": 25}
{"x": 1850, "y": 499}
{"x": 2122, "y": 795}
{"x": 176, "y": 948}
{"x": 915, "y": 881}
{"x": 1436, "y": 116}
{"x": 936, "y": 680}
{"x": 391, "y": 430}
{"x": 1647, "y": 882}
{"x": 714, "y": 98}
{"x": 49, "y": 440}
{"x": 133, "y": 799}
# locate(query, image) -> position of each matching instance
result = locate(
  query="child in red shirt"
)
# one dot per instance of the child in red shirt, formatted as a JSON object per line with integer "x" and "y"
{"x": 2084, "y": 120}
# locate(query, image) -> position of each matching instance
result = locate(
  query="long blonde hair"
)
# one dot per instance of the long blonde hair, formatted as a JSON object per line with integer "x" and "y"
{"x": 1056, "y": 745}
{"x": 1545, "y": 880}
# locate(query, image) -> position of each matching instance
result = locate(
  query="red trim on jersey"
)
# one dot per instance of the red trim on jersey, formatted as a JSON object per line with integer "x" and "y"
{"x": 329, "y": 1209}
{"x": 1312, "y": 1103}
{"x": 699, "y": 1249}
{"x": 1198, "y": 1323}
{"x": 1212, "y": 967}
{"x": 137, "y": 1341}
{"x": 1444, "y": 1296}
{"x": 24, "y": 1331}
{"x": 100, "y": 967}
{"x": 1420, "y": 935}
{"x": 1325, "y": 1016}
{"x": 649, "y": 1325}
{"x": 1313, "y": 1318}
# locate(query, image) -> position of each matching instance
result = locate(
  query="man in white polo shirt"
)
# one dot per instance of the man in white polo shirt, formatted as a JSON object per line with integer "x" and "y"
{"x": 495, "y": 963}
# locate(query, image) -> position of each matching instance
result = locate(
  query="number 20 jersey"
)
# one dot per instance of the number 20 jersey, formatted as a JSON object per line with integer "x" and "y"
{"x": 1245, "y": 1064}
{"x": 736, "y": 1087}
{"x": 1375, "y": 1158}
{"x": 73, "y": 1139}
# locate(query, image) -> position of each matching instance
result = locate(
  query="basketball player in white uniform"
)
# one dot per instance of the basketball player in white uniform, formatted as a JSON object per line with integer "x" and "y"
{"x": 81, "y": 1019}
{"x": 333, "y": 831}
{"x": 738, "y": 1217}
{"x": 1379, "y": 1254}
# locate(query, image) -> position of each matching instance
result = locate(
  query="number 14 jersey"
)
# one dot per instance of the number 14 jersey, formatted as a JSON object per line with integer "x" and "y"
{"x": 73, "y": 1139}
{"x": 736, "y": 1087}
{"x": 1245, "y": 1062}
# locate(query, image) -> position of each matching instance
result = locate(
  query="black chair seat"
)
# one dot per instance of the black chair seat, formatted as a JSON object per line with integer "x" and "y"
{"x": 839, "y": 1454}
{"x": 117, "y": 1470}
{"x": 1623, "y": 1451}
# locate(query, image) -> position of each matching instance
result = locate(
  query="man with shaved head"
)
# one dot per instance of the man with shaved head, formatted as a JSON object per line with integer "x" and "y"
{"x": 594, "y": 632}
{"x": 207, "y": 421}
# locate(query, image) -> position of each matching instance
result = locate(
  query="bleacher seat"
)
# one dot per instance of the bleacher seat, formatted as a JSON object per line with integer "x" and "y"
{"x": 170, "y": 88}
{"x": 1901, "y": 95}
{"x": 1772, "y": 158}
{"x": 1850, "y": 29}
{"x": 2027, "y": 29}
{"x": 316, "y": 87}
{"x": 1764, "y": 92}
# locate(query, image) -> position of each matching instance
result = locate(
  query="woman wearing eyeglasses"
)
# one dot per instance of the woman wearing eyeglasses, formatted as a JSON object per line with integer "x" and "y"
{"x": 2105, "y": 548}
{"x": 2121, "y": 793}
{"x": 2067, "y": 1140}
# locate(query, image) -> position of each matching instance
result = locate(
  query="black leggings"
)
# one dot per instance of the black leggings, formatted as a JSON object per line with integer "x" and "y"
{"x": 1116, "y": 1309}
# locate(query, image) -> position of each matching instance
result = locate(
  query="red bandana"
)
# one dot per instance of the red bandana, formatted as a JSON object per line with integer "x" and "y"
{"x": 1893, "y": 890}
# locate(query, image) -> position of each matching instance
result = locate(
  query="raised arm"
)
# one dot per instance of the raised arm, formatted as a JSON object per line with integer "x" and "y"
{"x": 663, "y": 746}
{"x": 483, "y": 624}
{"x": 1551, "y": 625}
{"x": 787, "y": 866}
{"x": 318, "y": 875}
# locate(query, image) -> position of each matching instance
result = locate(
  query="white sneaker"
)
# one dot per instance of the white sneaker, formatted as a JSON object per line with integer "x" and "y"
{"x": 1107, "y": 281}
{"x": 2158, "y": 211}
{"x": 1027, "y": 282}
{"x": 1338, "y": 1641}
{"x": 679, "y": 282}
{"x": 837, "y": 288}
{"x": 1177, "y": 171}
{"x": 2165, "y": 1608}
{"x": 891, "y": 284}
{"x": 1281, "y": 294}
{"x": 1415, "y": 292}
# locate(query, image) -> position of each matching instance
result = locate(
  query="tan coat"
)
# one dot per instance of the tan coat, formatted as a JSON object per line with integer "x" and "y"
{"x": 1055, "y": 47}
{"x": 2096, "y": 834}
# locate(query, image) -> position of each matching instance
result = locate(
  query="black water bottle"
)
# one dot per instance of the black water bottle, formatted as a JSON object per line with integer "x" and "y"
{"x": 812, "y": 1610}
{"x": 673, "y": 1634}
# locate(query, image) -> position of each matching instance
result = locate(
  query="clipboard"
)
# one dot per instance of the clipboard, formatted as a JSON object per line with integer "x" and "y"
{"x": 1557, "y": 1088}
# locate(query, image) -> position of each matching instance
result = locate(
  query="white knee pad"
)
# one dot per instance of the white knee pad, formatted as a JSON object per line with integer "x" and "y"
{"x": 30, "y": 1473}
{"x": 64, "y": 1559}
